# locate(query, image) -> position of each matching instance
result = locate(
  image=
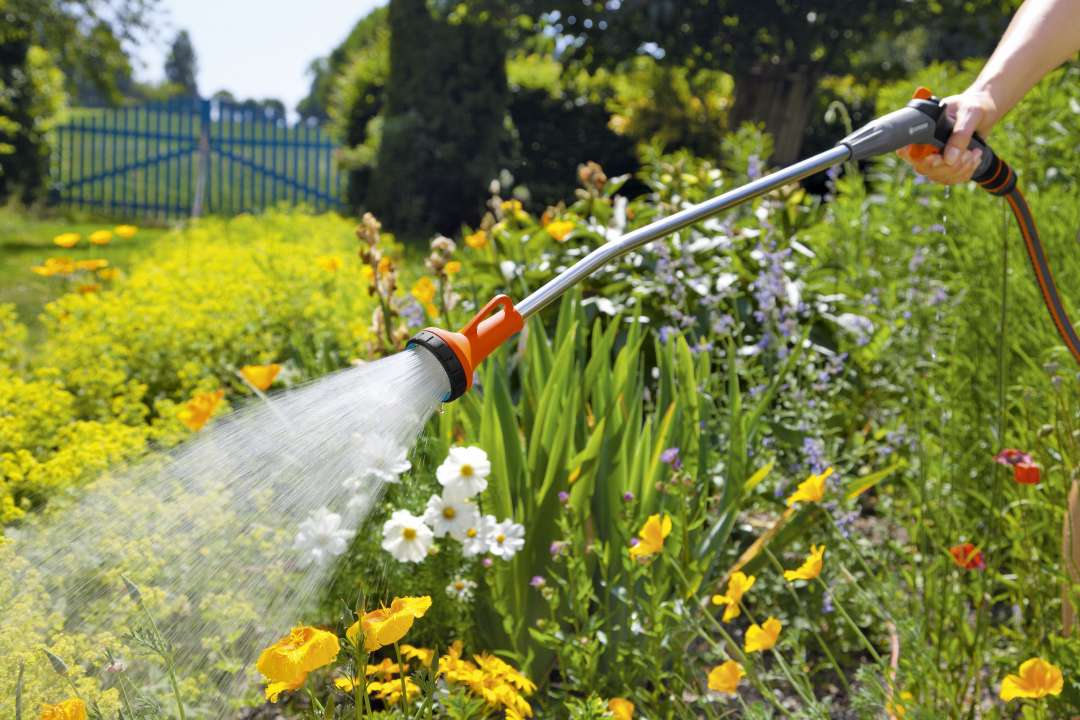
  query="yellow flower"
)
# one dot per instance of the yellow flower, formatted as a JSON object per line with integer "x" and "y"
{"x": 762, "y": 637}
{"x": 197, "y": 411}
{"x": 100, "y": 237}
{"x": 810, "y": 568}
{"x": 1037, "y": 679}
{"x": 387, "y": 625}
{"x": 91, "y": 265}
{"x": 621, "y": 708}
{"x": 108, "y": 273}
{"x": 738, "y": 585}
{"x": 55, "y": 266}
{"x": 390, "y": 691}
{"x": 260, "y": 376}
{"x": 513, "y": 207}
{"x": 88, "y": 288}
{"x": 286, "y": 663}
{"x": 125, "y": 231}
{"x": 725, "y": 677}
{"x": 386, "y": 669}
{"x": 346, "y": 684}
{"x": 810, "y": 490}
{"x": 453, "y": 267}
{"x": 67, "y": 240}
{"x": 560, "y": 229}
{"x": 424, "y": 290}
{"x": 386, "y": 266}
{"x": 895, "y": 710}
{"x": 71, "y": 709}
{"x": 329, "y": 263}
{"x": 651, "y": 537}
{"x": 477, "y": 240}
{"x": 424, "y": 655}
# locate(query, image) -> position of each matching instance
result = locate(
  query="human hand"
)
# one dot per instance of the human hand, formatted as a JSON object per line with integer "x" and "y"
{"x": 971, "y": 111}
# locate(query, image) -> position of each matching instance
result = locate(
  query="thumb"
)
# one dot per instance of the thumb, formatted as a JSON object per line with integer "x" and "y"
{"x": 968, "y": 118}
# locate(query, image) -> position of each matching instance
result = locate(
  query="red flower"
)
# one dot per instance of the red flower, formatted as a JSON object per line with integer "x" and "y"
{"x": 1010, "y": 457}
{"x": 967, "y": 556}
{"x": 1026, "y": 473}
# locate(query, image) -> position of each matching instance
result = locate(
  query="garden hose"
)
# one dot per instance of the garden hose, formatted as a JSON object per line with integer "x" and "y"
{"x": 922, "y": 124}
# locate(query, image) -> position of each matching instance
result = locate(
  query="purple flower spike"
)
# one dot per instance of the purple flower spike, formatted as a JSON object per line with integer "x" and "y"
{"x": 564, "y": 497}
{"x": 671, "y": 457}
{"x": 628, "y": 496}
{"x": 537, "y": 581}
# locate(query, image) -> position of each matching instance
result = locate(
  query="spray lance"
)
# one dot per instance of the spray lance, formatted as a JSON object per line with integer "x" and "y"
{"x": 922, "y": 123}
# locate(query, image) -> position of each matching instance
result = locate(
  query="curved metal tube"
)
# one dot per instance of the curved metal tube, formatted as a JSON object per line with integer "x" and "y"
{"x": 604, "y": 254}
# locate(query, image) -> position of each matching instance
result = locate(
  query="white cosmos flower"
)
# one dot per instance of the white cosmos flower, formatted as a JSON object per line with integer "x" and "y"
{"x": 383, "y": 463}
{"x": 406, "y": 537}
{"x": 505, "y": 539}
{"x": 321, "y": 537}
{"x": 464, "y": 472}
{"x": 476, "y": 537}
{"x": 461, "y": 589}
{"x": 447, "y": 514}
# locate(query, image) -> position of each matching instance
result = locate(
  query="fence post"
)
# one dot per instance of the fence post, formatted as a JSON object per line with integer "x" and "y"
{"x": 202, "y": 175}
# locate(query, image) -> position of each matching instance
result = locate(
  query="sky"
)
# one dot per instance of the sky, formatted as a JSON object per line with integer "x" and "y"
{"x": 253, "y": 48}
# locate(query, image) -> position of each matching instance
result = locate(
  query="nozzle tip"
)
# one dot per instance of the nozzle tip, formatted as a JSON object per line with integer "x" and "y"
{"x": 448, "y": 359}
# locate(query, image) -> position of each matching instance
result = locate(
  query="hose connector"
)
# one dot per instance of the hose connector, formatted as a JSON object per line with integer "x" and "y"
{"x": 460, "y": 352}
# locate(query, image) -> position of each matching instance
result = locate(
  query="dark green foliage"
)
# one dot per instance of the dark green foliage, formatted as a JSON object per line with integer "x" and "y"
{"x": 326, "y": 71}
{"x": 552, "y": 135}
{"x": 444, "y": 127}
{"x": 181, "y": 66}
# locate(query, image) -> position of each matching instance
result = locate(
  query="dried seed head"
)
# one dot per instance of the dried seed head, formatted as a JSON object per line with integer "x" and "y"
{"x": 442, "y": 244}
{"x": 132, "y": 590}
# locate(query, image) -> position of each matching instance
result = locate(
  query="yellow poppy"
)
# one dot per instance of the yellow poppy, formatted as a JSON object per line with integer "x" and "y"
{"x": 651, "y": 538}
{"x": 453, "y": 267}
{"x": 424, "y": 290}
{"x": 286, "y": 663}
{"x": 424, "y": 655}
{"x": 260, "y": 376}
{"x": 560, "y": 229}
{"x": 812, "y": 489}
{"x": 100, "y": 237}
{"x": 477, "y": 240}
{"x": 329, "y": 263}
{"x": 387, "y": 625}
{"x": 54, "y": 266}
{"x": 71, "y": 709}
{"x": 197, "y": 411}
{"x": 67, "y": 240}
{"x": 1037, "y": 679}
{"x": 125, "y": 232}
{"x": 810, "y": 568}
{"x": 92, "y": 265}
{"x": 762, "y": 637}
{"x": 724, "y": 678}
{"x": 621, "y": 708}
{"x": 738, "y": 584}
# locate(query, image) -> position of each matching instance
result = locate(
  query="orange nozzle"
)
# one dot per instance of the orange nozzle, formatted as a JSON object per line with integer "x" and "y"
{"x": 918, "y": 152}
{"x": 460, "y": 352}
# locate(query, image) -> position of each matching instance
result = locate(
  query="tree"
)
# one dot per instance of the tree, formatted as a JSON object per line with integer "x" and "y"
{"x": 82, "y": 37}
{"x": 181, "y": 66}
{"x": 444, "y": 126}
{"x": 370, "y": 31}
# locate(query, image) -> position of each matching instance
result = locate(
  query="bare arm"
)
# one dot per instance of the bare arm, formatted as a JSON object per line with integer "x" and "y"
{"x": 1042, "y": 35}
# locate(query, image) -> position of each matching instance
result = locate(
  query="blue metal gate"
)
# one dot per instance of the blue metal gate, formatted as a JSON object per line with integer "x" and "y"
{"x": 189, "y": 156}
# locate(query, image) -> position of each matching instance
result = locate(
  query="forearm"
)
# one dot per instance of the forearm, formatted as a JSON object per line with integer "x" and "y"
{"x": 1042, "y": 35}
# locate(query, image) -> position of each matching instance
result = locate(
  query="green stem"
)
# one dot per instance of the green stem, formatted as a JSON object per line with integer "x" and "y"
{"x": 802, "y": 611}
{"x": 745, "y": 662}
{"x": 404, "y": 685}
{"x": 166, "y": 657}
{"x": 840, "y": 607}
{"x": 359, "y": 685}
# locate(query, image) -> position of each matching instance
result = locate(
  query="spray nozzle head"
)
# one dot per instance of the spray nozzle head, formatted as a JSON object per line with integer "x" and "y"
{"x": 460, "y": 352}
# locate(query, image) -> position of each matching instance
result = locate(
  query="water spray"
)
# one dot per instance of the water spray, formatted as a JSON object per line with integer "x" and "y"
{"x": 922, "y": 123}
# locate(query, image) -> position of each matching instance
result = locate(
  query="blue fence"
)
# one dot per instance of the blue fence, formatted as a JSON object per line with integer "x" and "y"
{"x": 189, "y": 156}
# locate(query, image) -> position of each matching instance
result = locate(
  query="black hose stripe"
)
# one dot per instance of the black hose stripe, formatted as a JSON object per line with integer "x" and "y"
{"x": 1037, "y": 256}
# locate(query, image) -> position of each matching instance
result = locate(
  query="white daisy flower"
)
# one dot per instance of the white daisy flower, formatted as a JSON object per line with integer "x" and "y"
{"x": 461, "y": 589}
{"x": 464, "y": 472}
{"x": 505, "y": 539}
{"x": 321, "y": 537}
{"x": 382, "y": 463}
{"x": 476, "y": 537}
{"x": 447, "y": 514}
{"x": 406, "y": 537}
